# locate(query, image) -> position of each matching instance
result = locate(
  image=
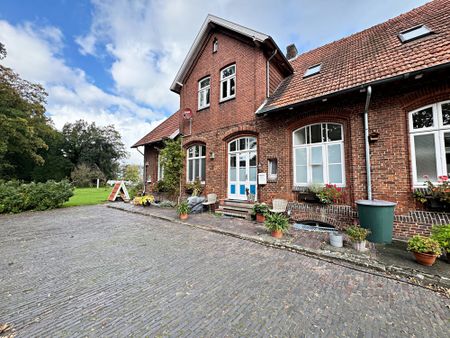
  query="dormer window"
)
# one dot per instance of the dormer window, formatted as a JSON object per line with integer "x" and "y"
{"x": 228, "y": 83}
{"x": 313, "y": 70}
{"x": 204, "y": 88}
{"x": 215, "y": 45}
{"x": 414, "y": 33}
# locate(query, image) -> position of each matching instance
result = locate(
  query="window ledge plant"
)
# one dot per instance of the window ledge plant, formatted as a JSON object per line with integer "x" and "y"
{"x": 425, "y": 249}
{"x": 327, "y": 194}
{"x": 435, "y": 196}
{"x": 277, "y": 223}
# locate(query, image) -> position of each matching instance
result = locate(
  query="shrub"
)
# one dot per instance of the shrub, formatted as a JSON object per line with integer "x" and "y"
{"x": 85, "y": 175}
{"x": 276, "y": 222}
{"x": 329, "y": 194}
{"x": 183, "y": 208}
{"x": 135, "y": 189}
{"x": 424, "y": 244}
{"x": 172, "y": 156}
{"x": 441, "y": 233}
{"x": 17, "y": 197}
{"x": 357, "y": 234}
{"x": 160, "y": 187}
{"x": 260, "y": 208}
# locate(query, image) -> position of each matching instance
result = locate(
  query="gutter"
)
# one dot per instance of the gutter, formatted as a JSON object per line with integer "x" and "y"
{"x": 366, "y": 143}
{"x": 268, "y": 73}
{"x": 403, "y": 76}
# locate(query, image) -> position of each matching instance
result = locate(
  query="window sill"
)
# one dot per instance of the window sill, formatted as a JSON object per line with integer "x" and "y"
{"x": 227, "y": 99}
{"x": 202, "y": 109}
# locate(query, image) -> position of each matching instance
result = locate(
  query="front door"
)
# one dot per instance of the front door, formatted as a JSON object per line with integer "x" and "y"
{"x": 242, "y": 168}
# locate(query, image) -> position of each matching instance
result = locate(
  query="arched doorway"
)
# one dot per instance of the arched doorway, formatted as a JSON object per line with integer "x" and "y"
{"x": 242, "y": 168}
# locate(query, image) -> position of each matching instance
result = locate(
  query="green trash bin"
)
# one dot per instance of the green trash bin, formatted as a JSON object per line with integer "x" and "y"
{"x": 378, "y": 217}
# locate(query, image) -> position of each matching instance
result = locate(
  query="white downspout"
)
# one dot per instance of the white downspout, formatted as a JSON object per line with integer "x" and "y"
{"x": 268, "y": 73}
{"x": 366, "y": 143}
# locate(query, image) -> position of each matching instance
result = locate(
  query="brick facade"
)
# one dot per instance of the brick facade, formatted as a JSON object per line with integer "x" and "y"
{"x": 220, "y": 123}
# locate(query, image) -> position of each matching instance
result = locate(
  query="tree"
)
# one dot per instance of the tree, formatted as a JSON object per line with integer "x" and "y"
{"x": 172, "y": 156}
{"x": 93, "y": 145}
{"x": 132, "y": 173}
{"x": 85, "y": 175}
{"x": 22, "y": 123}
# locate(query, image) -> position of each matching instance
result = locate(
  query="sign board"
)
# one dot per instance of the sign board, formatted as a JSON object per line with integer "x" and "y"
{"x": 119, "y": 190}
{"x": 262, "y": 178}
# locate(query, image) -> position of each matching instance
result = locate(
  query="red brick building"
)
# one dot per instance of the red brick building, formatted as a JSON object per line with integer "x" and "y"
{"x": 298, "y": 119}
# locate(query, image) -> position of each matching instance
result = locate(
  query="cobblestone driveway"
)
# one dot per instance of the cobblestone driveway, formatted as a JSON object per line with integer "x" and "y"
{"x": 94, "y": 271}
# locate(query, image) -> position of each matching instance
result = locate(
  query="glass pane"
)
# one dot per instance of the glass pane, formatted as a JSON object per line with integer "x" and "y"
{"x": 233, "y": 161}
{"x": 224, "y": 89}
{"x": 242, "y": 174}
{"x": 232, "y": 174}
{"x": 242, "y": 167}
{"x": 200, "y": 98}
{"x": 203, "y": 150}
{"x": 196, "y": 152}
{"x": 423, "y": 118}
{"x": 335, "y": 173}
{"x": 204, "y": 83}
{"x": 252, "y": 143}
{"x": 252, "y": 159}
{"x": 252, "y": 174}
{"x": 242, "y": 142}
{"x": 196, "y": 169}
{"x": 316, "y": 133}
{"x": 233, "y": 146}
{"x": 203, "y": 164}
{"x": 425, "y": 157}
{"x": 228, "y": 71}
{"x": 316, "y": 155}
{"x": 447, "y": 151}
{"x": 317, "y": 174}
{"x": 207, "y": 96}
{"x": 334, "y": 153}
{"x": 300, "y": 156}
{"x": 191, "y": 152}
{"x": 273, "y": 167}
{"x": 191, "y": 170}
{"x": 445, "y": 114}
{"x": 334, "y": 132}
{"x": 232, "y": 86}
{"x": 300, "y": 174}
{"x": 300, "y": 137}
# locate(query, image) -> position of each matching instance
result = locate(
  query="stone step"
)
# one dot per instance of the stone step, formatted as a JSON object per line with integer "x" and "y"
{"x": 238, "y": 204}
{"x": 234, "y": 213}
{"x": 233, "y": 208}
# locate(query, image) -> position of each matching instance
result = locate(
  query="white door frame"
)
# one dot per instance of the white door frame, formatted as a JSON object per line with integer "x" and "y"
{"x": 243, "y": 148}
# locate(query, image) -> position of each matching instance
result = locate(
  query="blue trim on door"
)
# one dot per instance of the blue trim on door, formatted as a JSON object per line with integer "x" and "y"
{"x": 252, "y": 189}
{"x": 242, "y": 189}
{"x": 232, "y": 189}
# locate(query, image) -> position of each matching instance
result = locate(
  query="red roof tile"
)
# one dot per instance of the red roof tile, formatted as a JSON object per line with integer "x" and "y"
{"x": 368, "y": 56}
{"x": 164, "y": 130}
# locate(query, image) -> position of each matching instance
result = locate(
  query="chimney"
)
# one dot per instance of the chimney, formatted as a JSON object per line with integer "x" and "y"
{"x": 291, "y": 51}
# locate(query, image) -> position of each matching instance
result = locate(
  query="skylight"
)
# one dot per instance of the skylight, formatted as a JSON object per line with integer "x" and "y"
{"x": 414, "y": 33}
{"x": 313, "y": 70}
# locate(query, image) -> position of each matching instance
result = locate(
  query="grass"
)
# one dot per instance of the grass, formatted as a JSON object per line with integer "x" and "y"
{"x": 88, "y": 196}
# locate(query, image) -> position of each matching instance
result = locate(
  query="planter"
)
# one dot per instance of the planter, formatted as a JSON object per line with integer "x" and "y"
{"x": 308, "y": 197}
{"x": 360, "y": 246}
{"x": 184, "y": 216}
{"x": 425, "y": 259}
{"x": 260, "y": 218}
{"x": 277, "y": 233}
{"x": 336, "y": 239}
{"x": 436, "y": 205}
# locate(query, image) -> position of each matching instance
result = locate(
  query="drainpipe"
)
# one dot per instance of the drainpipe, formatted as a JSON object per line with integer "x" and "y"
{"x": 366, "y": 142}
{"x": 268, "y": 73}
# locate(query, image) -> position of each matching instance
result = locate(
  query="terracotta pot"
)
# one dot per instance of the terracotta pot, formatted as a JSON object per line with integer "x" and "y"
{"x": 425, "y": 259}
{"x": 260, "y": 218}
{"x": 184, "y": 216}
{"x": 277, "y": 233}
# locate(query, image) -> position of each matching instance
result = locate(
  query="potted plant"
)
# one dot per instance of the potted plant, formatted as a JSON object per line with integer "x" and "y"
{"x": 260, "y": 210}
{"x": 441, "y": 234}
{"x": 336, "y": 239}
{"x": 358, "y": 237}
{"x": 435, "y": 196}
{"x": 277, "y": 223}
{"x": 425, "y": 249}
{"x": 183, "y": 210}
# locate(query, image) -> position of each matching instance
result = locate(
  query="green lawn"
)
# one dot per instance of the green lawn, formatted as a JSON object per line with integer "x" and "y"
{"x": 88, "y": 196}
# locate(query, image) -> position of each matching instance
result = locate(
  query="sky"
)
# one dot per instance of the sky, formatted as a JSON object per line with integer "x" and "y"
{"x": 112, "y": 61}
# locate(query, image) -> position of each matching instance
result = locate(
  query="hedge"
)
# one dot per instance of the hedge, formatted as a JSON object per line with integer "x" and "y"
{"x": 16, "y": 196}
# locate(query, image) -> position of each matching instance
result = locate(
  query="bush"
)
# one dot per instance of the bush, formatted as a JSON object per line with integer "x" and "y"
{"x": 135, "y": 189}
{"x": 85, "y": 175}
{"x": 357, "y": 234}
{"x": 441, "y": 233}
{"x": 424, "y": 244}
{"x": 276, "y": 222}
{"x": 160, "y": 187}
{"x": 194, "y": 188}
{"x": 17, "y": 197}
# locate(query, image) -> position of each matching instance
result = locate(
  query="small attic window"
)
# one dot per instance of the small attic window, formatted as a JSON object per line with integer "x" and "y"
{"x": 215, "y": 45}
{"x": 414, "y": 33}
{"x": 313, "y": 70}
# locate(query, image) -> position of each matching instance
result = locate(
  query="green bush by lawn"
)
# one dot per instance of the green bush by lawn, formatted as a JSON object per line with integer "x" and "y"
{"x": 88, "y": 196}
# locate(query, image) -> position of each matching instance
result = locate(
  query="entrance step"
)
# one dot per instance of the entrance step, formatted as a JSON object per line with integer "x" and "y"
{"x": 236, "y": 209}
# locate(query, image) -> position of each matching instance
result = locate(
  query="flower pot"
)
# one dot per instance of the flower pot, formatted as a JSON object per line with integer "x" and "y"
{"x": 260, "y": 218}
{"x": 425, "y": 259}
{"x": 277, "y": 233}
{"x": 336, "y": 239}
{"x": 184, "y": 217}
{"x": 308, "y": 197}
{"x": 360, "y": 246}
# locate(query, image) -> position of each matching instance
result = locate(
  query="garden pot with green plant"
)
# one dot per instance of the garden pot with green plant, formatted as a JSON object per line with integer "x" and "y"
{"x": 260, "y": 210}
{"x": 358, "y": 237}
{"x": 441, "y": 233}
{"x": 183, "y": 210}
{"x": 425, "y": 249}
{"x": 277, "y": 223}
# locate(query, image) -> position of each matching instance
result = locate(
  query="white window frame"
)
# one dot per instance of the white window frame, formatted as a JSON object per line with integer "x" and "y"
{"x": 271, "y": 175}
{"x": 438, "y": 129}
{"x": 160, "y": 169}
{"x": 325, "y": 163}
{"x": 206, "y": 90}
{"x": 193, "y": 158}
{"x": 227, "y": 80}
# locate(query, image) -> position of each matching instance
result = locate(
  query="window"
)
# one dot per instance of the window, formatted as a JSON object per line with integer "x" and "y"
{"x": 228, "y": 83}
{"x": 147, "y": 174}
{"x": 430, "y": 142}
{"x": 414, "y": 33}
{"x": 204, "y": 92}
{"x": 319, "y": 155}
{"x": 313, "y": 70}
{"x": 160, "y": 169}
{"x": 215, "y": 45}
{"x": 196, "y": 163}
{"x": 273, "y": 169}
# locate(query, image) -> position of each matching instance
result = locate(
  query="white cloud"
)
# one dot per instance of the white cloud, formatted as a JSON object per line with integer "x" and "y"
{"x": 34, "y": 54}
